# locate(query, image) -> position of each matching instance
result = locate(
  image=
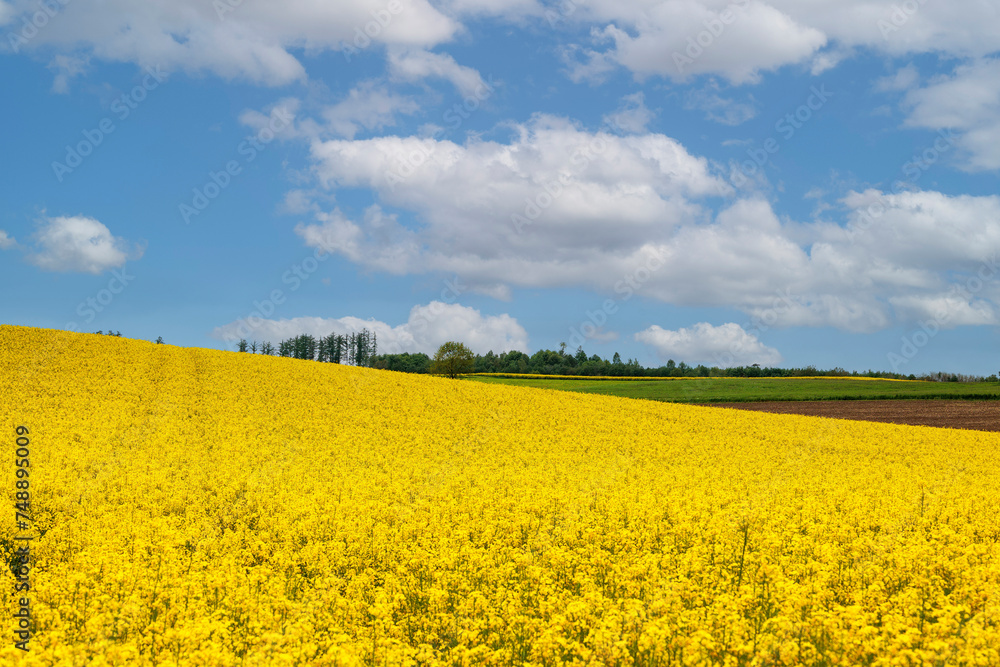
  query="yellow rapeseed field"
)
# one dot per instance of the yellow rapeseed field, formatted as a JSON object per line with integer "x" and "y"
{"x": 198, "y": 507}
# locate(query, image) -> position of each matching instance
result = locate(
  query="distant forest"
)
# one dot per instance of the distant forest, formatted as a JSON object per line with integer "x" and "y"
{"x": 361, "y": 349}
{"x": 552, "y": 362}
{"x": 354, "y": 349}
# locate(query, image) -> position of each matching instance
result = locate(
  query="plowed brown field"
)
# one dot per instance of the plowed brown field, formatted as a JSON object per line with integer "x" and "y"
{"x": 975, "y": 415}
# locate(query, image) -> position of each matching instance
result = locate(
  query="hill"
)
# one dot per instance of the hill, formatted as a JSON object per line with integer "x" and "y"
{"x": 199, "y": 507}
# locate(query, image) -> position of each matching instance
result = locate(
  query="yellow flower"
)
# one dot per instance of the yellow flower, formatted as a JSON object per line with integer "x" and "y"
{"x": 212, "y": 508}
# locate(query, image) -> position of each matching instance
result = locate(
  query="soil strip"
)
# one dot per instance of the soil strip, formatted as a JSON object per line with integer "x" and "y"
{"x": 974, "y": 415}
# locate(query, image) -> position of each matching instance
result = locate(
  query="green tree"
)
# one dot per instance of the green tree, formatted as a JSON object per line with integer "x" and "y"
{"x": 453, "y": 359}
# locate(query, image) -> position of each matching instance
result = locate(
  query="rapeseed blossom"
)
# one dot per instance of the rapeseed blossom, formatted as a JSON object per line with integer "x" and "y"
{"x": 198, "y": 507}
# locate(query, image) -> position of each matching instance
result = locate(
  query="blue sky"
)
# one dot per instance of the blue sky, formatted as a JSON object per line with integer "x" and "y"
{"x": 779, "y": 182}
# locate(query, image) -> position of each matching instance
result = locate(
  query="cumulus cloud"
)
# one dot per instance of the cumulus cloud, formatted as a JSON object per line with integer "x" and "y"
{"x": 417, "y": 65}
{"x": 494, "y": 211}
{"x": 723, "y": 110}
{"x": 929, "y": 230}
{"x": 251, "y": 40}
{"x": 904, "y": 79}
{"x": 967, "y": 102}
{"x": 724, "y": 346}
{"x": 7, "y": 12}
{"x": 739, "y": 40}
{"x": 370, "y": 106}
{"x": 6, "y": 242}
{"x": 379, "y": 242}
{"x": 946, "y": 310}
{"x": 80, "y": 244}
{"x": 510, "y": 9}
{"x": 632, "y": 116}
{"x": 426, "y": 329}
{"x": 633, "y": 218}
{"x": 684, "y": 39}
{"x": 66, "y": 67}
{"x": 898, "y": 29}
{"x": 283, "y": 114}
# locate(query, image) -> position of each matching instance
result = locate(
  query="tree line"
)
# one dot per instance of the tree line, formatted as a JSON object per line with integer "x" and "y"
{"x": 559, "y": 362}
{"x": 357, "y": 348}
{"x": 361, "y": 349}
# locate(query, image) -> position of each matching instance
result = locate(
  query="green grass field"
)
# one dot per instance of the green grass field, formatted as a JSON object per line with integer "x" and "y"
{"x": 736, "y": 390}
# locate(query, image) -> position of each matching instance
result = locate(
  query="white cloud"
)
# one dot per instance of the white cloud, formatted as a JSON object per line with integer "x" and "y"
{"x": 298, "y": 202}
{"x": 904, "y": 79}
{"x": 251, "y": 40}
{"x": 969, "y": 103}
{"x": 926, "y": 230}
{"x": 416, "y": 65}
{"x": 6, "y": 242}
{"x": 959, "y": 29}
{"x": 724, "y": 346}
{"x": 683, "y": 39}
{"x": 946, "y": 310}
{"x": 66, "y": 68}
{"x": 587, "y": 65}
{"x": 720, "y": 109}
{"x": 80, "y": 244}
{"x": 632, "y": 116}
{"x": 426, "y": 329}
{"x": 494, "y": 211}
{"x": 741, "y": 39}
{"x": 827, "y": 60}
{"x": 282, "y": 114}
{"x": 510, "y": 9}
{"x": 369, "y": 106}
{"x": 634, "y": 209}
{"x": 379, "y": 242}
{"x": 7, "y": 13}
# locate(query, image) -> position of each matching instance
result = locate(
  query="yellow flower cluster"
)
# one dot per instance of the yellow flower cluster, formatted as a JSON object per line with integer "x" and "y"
{"x": 212, "y": 508}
